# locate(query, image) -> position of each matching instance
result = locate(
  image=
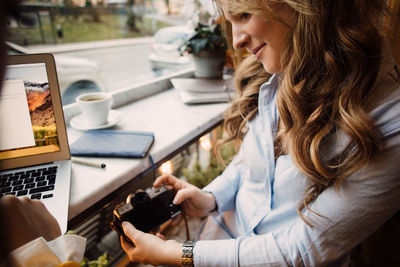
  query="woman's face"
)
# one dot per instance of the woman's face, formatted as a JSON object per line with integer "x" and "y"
{"x": 264, "y": 38}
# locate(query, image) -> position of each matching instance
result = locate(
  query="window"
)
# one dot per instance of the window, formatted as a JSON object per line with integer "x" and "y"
{"x": 103, "y": 45}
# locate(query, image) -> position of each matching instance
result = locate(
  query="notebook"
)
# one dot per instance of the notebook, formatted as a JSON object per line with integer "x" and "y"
{"x": 34, "y": 152}
{"x": 113, "y": 143}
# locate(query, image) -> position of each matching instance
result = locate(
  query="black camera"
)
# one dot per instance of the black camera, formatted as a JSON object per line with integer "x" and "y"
{"x": 146, "y": 209}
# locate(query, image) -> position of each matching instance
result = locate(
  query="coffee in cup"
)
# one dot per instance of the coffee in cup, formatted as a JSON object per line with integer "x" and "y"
{"x": 95, "y": 108}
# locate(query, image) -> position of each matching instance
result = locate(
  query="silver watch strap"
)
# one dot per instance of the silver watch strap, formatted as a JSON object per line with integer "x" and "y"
{"x": 187, "y": 254}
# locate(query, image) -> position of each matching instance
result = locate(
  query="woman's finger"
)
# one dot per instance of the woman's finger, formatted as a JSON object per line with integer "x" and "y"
{"x": 130, "y": 231}
{"x": 182, "y": 195}
{"x": 169, "y": 180}
{"x": 125, "y": 244}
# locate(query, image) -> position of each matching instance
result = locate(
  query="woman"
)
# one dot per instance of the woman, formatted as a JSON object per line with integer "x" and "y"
{"x": 317, "y": 170}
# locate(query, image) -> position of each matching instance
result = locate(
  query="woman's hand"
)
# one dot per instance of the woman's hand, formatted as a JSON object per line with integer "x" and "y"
{"x": 195, "y": 202}
{"x": 25, "y": 220}
{"x": 148, "y": 248}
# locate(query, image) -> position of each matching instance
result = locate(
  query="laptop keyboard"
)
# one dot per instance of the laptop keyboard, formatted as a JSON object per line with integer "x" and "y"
{"x": 35, "y": 183}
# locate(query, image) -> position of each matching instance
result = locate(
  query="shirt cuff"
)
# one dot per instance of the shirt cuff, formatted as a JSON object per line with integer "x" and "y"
{"x": 215, "y": 253}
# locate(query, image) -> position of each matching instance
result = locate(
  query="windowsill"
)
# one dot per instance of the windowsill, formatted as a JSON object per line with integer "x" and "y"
{"x": 137, "y": 92}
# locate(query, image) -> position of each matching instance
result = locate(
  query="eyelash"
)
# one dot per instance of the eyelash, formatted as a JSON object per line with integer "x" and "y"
{"x": 244, "y": 15}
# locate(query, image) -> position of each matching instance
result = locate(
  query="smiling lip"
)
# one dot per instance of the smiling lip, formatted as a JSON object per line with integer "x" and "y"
{"x": 256, "y": 51}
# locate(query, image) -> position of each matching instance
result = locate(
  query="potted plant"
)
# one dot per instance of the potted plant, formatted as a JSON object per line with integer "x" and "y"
{"x": 208, "y": 47}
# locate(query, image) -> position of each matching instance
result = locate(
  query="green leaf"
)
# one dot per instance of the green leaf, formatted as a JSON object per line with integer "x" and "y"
{"x": 205, "y": 38}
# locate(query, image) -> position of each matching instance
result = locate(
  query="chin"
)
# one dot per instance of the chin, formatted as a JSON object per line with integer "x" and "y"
{"x": 272, "y": 68}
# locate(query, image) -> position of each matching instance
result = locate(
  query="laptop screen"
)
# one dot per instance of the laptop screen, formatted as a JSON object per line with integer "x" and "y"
{"x": 32, "y": 127}
{"x": 26, "y": 112}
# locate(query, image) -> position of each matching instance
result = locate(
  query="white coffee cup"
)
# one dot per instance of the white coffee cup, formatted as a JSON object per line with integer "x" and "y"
{"x": 95, "y": 107}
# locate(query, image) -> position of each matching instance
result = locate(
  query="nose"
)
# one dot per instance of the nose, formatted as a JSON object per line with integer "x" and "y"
{"x": 240, "y": 37}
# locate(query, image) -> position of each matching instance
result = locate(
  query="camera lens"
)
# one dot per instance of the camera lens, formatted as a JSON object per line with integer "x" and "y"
{"x": 139, "y": 199}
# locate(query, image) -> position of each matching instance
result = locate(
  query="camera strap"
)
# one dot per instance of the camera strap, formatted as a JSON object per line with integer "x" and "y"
{"x": 153, "y": 166}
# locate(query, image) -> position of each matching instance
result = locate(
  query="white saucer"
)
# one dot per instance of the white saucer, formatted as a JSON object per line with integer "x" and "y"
{"x": 113, "y": 118}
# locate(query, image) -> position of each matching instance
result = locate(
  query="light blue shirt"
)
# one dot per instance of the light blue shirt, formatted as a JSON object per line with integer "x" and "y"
{"x": 264, "y": 195}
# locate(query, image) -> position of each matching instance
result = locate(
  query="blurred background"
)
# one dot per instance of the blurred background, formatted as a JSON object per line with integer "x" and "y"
{"x": 107, "y": 45}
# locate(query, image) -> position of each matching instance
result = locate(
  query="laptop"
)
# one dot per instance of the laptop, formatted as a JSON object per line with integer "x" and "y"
{"x": 34, "y": 152}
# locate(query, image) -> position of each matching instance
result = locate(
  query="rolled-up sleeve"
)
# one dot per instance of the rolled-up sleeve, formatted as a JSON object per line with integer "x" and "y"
{"x": 243, "y": 251}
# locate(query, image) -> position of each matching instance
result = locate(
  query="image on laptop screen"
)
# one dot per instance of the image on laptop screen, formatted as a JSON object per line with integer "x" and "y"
{"x": 26, "y": 113}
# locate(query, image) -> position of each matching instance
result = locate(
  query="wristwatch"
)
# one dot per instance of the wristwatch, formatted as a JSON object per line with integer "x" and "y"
{"x": 187, "y": 254}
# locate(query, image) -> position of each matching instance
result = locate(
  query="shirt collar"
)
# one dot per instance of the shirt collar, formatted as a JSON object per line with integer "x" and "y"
{"x": 268, "y": 90}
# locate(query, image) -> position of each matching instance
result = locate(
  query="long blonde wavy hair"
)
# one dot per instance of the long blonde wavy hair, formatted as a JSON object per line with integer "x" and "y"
{"x": 333, "y": 58}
